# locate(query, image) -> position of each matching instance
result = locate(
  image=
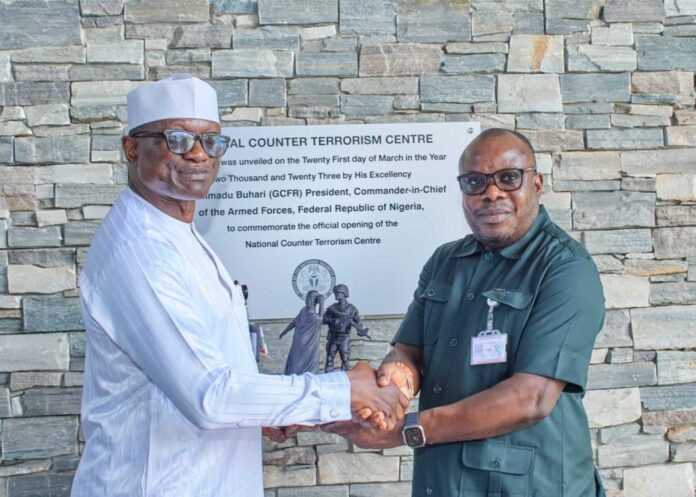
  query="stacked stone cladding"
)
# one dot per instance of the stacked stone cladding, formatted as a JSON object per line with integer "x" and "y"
{"x": 603, "y": 88}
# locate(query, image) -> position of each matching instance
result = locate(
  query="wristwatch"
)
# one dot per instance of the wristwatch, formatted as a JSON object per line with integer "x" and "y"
{"x": 412, "y": 432}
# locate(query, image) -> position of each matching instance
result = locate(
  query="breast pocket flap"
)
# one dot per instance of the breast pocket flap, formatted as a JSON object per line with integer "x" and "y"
{"x": 437, "y": 291}
{"x": 503, "y": 458}
{"x": 512, "y": 298}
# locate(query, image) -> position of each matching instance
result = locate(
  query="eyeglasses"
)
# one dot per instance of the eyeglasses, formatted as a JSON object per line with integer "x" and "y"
{"x": 507, "y": 180}
{"x": 181, "y": 142}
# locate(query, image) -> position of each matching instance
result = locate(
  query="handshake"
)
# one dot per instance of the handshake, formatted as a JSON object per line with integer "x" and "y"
{"x": 378, "y": 401}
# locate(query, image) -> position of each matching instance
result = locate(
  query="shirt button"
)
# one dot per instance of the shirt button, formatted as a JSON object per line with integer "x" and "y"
{"x": 488, "y": 256}
{"x": 454, "y": 342}
{"x": 429, "y": 490}
{"x": 333, "y": 413}
{"x": 431, "y": 292}
{"x": 437, "y": 389}
{"x": 497, "y": 462}
{"x": 469, "y": 296}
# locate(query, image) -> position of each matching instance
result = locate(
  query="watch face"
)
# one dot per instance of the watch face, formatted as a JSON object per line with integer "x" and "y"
{"x": 414, "y": 437}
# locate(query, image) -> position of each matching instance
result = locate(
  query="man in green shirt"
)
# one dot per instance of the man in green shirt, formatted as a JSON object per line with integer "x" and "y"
{"x": 498, "y": 339}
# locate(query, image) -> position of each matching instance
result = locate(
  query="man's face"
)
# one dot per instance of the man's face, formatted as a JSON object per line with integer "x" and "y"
{"x": 162, "y": 176}
{"x": 499, "y": 218}
{"x": 340, "y": 296}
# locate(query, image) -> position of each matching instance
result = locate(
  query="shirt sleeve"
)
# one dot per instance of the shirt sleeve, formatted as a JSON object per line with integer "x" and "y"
{"x": 145, "y": 309}
{"x": 568, "y": 314}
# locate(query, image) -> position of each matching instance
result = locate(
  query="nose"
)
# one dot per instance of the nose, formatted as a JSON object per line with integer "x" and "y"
{"x": 196, "y": 154}
{"x": 492, "y": 192}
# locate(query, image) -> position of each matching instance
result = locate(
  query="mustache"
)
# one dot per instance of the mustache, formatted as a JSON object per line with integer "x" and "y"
{"x": 492, "y": 211}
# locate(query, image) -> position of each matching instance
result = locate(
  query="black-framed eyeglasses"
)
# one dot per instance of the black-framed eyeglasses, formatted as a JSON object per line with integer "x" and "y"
{"x": 507, "y": 180}
{"x": 181, "y": 142}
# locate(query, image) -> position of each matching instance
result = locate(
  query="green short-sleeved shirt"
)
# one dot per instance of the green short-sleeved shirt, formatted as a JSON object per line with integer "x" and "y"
{"x": 551, "y": 308}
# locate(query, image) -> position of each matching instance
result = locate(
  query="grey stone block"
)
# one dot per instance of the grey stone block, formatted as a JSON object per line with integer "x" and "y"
{"x": 443, "y": 107}
{"x": 529, "y": 23}
{"x": 298, "y": 11}
{"x": 596, "y": 87}
{"x": 625, "y": 138}
{"x": 203, "y": 36}
{"x": 676, "y": 215}
{"x": 340, "y": 64}
{"x": 52, "y": 55}
{"x": 540, "y": 120}
{"x": 458, "y": 89}
{"x": 674, "y": 242}
{"x": 33, "y": 438}
{"x": 42, "y": 257}
{"x": 618, "y": 241}
{"x": 357, "y": 468}
{"x": 675, "y": 161}
{"x": 673, "y": 293}
{"x": 52, "y": 314}
{"x": 508, "y": 5}
{"x": 34, "y": 93}
{"x": 638, "y": 184}
{"x": 666, "y": 398}
{"x": 250, "y": 62}
{"x": 563, "y": 17}
{"x": 316, "y": 491}
{"x": 267, "y": 93}
{"x": 79, "y": 232}
{"x": 78, "y": 344}
{"x": 662, "y": 53}
{"x": 492, "y": 25}
{"x": 615, "y": 332}
{"x": 613, "y": 210}
{"x": 586, "y": 186}
{"x": 437, "y": 21}
{"x": 21, "y": 237}
{"x": 634, "y": 374}
{"x": 380, "y": 86}
{"x": 676, "y": 367}
{"x": 613, "y": 433}
{"x": 399, "y": 59}
{"x": 5, "y": 408}
{"x": 60, "y": 24}
{"x": 232, "y": 92}
{"x": 6, "y": 149}
{"x": 366, "y": 105}
{"x": 71, "y": 196}
{"x": 368, "y": 17}
{"x": 51, "y": 401}
{"x": 189, "y": 56}
{"x": 597, "y": 58}
{"x": 55, "y": 485}
{"x": 268, "y": 37}
{"x": 314, "y": 100}
{"x": 634, "y": 11}
{"x": 555, "y": 140}
{"x": 101, "y": 7}
{"x": 473, "y": 63}
{"x": 155, "y": 11}
{"x": 52, "y": 149}
{"x": 390, "y": 489}
{"x": 314, "y": 86}
{"x": 41, "y": 72}
{"x": 106, "y": 72}
{"x": 664, "y": 327}
{"x": 233, "y": 6}
{"x": 638, "y": 121}
{"x": 638, "y": 450}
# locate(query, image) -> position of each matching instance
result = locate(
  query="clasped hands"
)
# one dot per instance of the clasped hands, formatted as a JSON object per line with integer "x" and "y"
{"x": 378, "y": 401}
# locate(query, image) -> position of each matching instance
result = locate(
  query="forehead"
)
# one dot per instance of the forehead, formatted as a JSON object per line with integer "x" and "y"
{"x": 195, "y": 125}
{"x": 495, "y": 152}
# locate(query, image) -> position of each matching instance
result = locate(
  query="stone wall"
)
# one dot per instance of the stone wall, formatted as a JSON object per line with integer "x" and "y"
{"x": 603, "y": 88}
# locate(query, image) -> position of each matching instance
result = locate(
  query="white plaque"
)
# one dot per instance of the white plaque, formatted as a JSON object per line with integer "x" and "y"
{"x": 299, "y": 207}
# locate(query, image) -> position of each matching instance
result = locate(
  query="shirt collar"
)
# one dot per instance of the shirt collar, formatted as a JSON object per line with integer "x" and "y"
{"x": 470, "y": 245}
{"x": 154, "y": 214}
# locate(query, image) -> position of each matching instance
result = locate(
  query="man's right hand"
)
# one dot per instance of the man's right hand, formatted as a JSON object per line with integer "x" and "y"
{"x": 367, "y": 396}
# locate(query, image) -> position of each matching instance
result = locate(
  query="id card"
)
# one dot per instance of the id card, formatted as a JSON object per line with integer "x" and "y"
{"x": 489, "y": 347}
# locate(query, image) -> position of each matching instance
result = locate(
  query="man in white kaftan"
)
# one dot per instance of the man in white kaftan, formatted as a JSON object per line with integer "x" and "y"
{"x": 173, "y": 403}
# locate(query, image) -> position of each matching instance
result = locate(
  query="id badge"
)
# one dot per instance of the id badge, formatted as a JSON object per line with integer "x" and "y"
{"x": 489, "y": 346}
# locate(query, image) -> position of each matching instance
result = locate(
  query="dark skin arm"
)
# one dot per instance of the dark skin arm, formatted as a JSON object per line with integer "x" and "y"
{"x": 513, "y": 404}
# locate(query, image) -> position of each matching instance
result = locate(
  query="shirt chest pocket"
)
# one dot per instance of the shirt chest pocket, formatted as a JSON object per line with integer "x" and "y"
{"x": 493, "y": 469}
{"x": 511, "y": 315}
{"x": 435, "y": 298}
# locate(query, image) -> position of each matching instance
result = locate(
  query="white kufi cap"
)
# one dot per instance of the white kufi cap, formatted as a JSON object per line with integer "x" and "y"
{"x": 181, "y": 96}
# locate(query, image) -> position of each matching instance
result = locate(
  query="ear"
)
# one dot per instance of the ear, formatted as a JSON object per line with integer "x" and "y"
{"x": 130, "y": 149}
{"x": 538, "y": 182}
